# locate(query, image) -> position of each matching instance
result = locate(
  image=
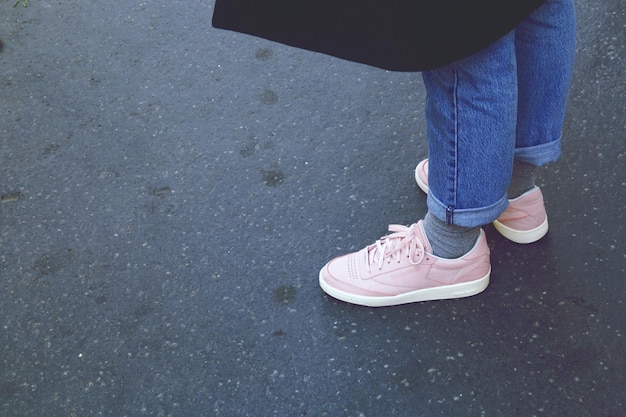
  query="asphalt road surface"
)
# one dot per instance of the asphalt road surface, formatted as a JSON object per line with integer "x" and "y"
{"x": 170, "y": 191}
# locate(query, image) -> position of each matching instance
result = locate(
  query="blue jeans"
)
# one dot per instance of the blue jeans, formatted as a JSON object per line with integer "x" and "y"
{"x": 506, "y": 102}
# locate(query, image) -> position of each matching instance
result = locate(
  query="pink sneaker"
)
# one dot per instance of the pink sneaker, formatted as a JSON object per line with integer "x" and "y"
{"x": 524, "y": 221}
{"x": 400, "y": 268}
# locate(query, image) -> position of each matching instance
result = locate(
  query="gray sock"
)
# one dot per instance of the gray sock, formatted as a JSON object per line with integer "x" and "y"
{"x": 523, "y": 179}
{"x": 449, "y": 241}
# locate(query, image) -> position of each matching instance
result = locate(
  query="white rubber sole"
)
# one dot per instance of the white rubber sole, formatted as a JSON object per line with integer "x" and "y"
{"x": 423, "y": 186}
{"x": 444, "y": 292}
{"x": 522, "y": 236}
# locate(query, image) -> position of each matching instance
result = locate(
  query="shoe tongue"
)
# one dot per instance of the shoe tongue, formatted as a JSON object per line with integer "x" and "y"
{"x": 422, "y": 235}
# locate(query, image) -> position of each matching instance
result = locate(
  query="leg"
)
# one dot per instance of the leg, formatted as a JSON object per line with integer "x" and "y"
{"x": 471, "y": 112}
{"x": 545, "y": 44}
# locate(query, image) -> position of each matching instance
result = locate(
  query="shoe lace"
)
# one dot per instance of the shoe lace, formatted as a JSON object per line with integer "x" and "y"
{"x": 403, "y": 241}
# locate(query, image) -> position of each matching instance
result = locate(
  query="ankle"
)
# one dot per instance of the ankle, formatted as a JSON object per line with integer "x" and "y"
{"x": 522, "y": 180}
{"x": 449, "y": 241}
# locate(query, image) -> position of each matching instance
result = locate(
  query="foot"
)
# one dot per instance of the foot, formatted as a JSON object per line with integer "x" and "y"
{"x": 524, "y": 221}
{"x": 400, "y": 268}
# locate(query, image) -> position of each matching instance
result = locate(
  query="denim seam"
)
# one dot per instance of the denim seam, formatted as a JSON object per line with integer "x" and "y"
{"x": 450, "y": 209}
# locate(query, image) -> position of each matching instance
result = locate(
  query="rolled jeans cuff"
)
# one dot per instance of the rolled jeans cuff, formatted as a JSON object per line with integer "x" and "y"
{"x": 539, "y": 154}
{"x": 472, "y": 217}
